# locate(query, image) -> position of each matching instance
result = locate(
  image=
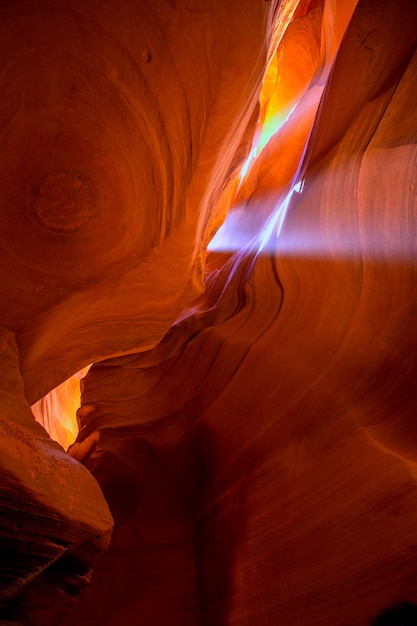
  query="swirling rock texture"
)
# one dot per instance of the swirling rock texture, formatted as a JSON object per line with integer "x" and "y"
{"x": 119, "y": 129}
{"x": 249, "y": 419}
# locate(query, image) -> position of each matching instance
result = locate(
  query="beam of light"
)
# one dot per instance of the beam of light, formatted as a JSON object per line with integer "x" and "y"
{"x": 233, "y": 234}
{"x": 263, "y": 136}
{"x": 277, "y": 220}
{"x": 272, "y": 125}
{"x": 57, "y": 411}
{"x": 272, "y": 120}
{"x": 363, "y": 235}
{"x": 240, "y": 230}
{"x": 247, "y": 164}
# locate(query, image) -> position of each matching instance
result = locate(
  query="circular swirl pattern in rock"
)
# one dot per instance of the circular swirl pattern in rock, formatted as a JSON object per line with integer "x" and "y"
{"x": 61, "y": 201}
{"x": 75, "y": 166}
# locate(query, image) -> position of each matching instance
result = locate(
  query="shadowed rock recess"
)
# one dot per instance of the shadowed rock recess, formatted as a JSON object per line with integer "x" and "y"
{"x": 214, "y": 203}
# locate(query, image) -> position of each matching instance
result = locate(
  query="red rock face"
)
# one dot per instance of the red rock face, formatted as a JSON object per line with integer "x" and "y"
{"x": 55, "y": 523}
{"x": 248, "y": 421}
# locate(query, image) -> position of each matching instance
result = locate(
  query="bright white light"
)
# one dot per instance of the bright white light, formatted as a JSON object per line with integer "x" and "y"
{"x": 241, "y": 228}
{"x": 277, "y": 220}
{"x": 233, "y": 234}
{"x": 298, "y": 187}
{"x": 247, "y": 164}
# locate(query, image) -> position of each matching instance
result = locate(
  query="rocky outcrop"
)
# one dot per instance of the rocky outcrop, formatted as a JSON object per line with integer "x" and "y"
{"x": 54, "y": 521}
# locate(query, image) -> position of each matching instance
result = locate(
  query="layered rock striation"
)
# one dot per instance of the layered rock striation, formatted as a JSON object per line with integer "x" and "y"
{"x": 249, "y": 417}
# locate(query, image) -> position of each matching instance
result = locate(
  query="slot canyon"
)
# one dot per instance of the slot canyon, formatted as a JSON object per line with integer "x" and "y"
{"x": 208, "y": 272}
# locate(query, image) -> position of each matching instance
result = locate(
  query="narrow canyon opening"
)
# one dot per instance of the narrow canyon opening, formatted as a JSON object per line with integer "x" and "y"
{"x": 57, "y": 411}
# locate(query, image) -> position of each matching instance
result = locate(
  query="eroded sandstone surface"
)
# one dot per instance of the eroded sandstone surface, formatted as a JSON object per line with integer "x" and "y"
{"x": 249, "y": 418}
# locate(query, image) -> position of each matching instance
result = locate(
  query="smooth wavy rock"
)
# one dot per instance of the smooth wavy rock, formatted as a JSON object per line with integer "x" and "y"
{"x": 261, "y": 462}
{"x": 251, "y": 423}
{"x": 119, "y": 128}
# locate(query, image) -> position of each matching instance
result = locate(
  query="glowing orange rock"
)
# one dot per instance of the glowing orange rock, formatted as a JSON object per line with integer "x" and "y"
{"x": 118, "y": 132}
{"x": 57, "y": 411}
{"x": 54, "y": 521}
{"x": 270, "y": 437}
{"x": 253, "y": 434}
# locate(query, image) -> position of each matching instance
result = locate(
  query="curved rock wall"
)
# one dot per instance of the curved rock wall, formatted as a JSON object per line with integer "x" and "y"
{"x": 269, "y": 440}
{"x": 253, "y": 434}
{"x": 119, "y": 127}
